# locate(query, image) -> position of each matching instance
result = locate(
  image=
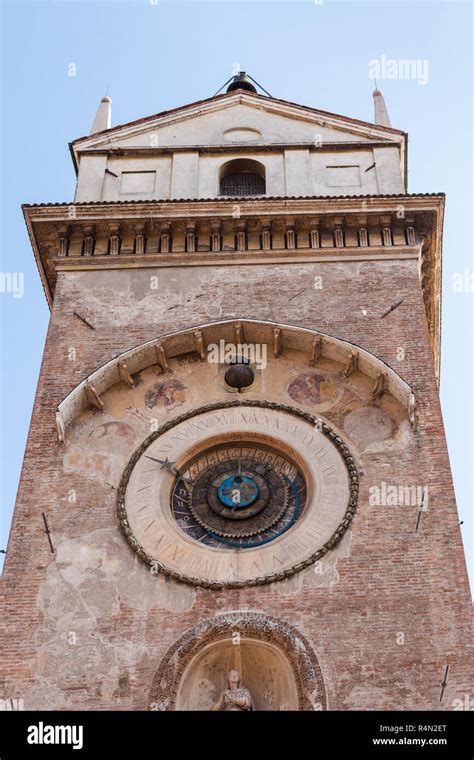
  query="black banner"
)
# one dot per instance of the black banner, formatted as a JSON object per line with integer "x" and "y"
{"x": 123, "y": 734}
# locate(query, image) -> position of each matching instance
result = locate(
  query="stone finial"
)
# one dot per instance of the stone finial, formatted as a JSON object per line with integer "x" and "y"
{"x": 380, "y": 110}
{"x": 103, "y": 117}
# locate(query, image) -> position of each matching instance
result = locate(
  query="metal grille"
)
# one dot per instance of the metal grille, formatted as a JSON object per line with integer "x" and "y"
{"x": 242, "y": 183}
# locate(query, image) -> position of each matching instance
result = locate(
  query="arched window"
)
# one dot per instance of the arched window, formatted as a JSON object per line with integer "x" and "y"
{"x": 242, "y": 177}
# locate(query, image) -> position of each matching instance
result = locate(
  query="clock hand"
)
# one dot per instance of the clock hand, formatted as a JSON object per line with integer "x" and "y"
{"x": 165, "y": 463}
{"x": 170, "y": 466}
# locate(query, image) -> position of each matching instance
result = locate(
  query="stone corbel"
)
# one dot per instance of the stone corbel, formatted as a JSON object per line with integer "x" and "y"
{"x": 216, "y": 236}
{"x": 362, "y": 231}
{"x": 238, "y": 333}
{"x": 63, "y": 247}
{"x": 89, "y": 241}
{"x": 199, "y": 344}
{"x": 412, "y": 409}
{"x": 385, "y": 223}
{"x": 114, "y": 239}
{"x": 352, "y": 364}
{"x": 165, "y": 238}
{"x": 380, "y": 385}
{"x": 241, "y": 236}
{"x": 266, "y": 234}
{"x": 316, "y": 350}
{"x": 190, "y": 236}
{"x": 277, "y": 342}
{"x": 290, "y": 234}
{"x": 339, "y": 232}
{"x": 140, "y": 239}
{"x": 314, "y": 234}
{"x": 125, "y": 375}
{"x": 93, "y": 398}
{"x": 60, "y": 427}
{"x": 162, "y": 357}
{"x": 410, "y": 230}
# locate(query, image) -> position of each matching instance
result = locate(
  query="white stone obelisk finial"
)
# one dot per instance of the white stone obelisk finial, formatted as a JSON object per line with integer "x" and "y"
{"x": 380, "y": 110}
{"x": 103, "y": 117}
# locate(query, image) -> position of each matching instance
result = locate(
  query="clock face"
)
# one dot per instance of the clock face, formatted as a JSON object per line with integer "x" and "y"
{"x": 240, "y": 496}
{"x": 232, "y": 495}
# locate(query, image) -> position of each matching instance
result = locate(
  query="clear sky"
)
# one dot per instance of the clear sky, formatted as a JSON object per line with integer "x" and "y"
{"x": 159, "y": 54}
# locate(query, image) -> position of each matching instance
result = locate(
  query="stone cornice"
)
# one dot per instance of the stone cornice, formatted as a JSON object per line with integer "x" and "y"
{"x": 235, "y": 147}
{"x": 80, "y": 236}
{"x": 253, "y": 205}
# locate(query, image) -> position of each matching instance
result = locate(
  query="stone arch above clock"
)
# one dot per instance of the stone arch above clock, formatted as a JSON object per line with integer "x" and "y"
{"x": 320, "y": 362}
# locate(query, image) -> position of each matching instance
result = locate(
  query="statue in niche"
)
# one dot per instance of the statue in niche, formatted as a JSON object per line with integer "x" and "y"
{"x": 235, "y": 698}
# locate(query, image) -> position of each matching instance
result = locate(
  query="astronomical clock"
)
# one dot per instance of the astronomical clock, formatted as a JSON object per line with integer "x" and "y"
{"x": 237, "y": 494}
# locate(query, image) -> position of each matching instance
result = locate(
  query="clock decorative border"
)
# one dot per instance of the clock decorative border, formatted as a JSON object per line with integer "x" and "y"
{"x": 323, "y": 427}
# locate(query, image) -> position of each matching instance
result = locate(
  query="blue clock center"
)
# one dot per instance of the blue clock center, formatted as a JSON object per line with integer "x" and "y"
{"x": 238, "y": 491}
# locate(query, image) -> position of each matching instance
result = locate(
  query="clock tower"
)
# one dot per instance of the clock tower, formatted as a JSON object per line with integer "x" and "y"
{"x": 236, "y": 491}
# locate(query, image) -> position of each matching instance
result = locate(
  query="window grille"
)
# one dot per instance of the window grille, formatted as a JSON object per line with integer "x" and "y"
{"x": 242, "y": 183}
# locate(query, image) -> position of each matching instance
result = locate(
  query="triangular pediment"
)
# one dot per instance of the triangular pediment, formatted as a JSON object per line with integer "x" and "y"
{"x": 239, "y": 118}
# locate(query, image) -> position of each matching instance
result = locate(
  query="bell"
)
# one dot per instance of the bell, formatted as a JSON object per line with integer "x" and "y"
{"x": 241, "y": 82}
{"x": 240, "y": 374}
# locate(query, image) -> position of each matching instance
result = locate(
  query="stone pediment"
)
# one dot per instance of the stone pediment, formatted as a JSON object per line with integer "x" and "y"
{"x": 238, "y": 118}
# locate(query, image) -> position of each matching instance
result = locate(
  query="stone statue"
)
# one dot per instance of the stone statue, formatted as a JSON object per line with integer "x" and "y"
{"x": 236, "y": 698}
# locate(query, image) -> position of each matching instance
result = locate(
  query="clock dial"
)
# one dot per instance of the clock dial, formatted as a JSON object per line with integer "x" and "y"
{"x": 238, "y": 496}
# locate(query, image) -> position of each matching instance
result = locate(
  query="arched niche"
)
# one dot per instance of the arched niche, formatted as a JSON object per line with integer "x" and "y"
{"x": 276, "y": 662}
{"x": 242, "y": 176}
{"x": 265, "y": 672}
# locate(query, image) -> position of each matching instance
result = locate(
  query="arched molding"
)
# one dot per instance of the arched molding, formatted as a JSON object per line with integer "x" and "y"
{"x": 277, "y": 336}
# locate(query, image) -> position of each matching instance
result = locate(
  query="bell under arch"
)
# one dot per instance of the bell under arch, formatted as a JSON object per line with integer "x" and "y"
{"x": 276, "y": 663}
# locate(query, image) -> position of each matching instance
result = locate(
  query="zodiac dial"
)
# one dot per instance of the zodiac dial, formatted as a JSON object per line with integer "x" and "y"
{"x": 238, "y": 496}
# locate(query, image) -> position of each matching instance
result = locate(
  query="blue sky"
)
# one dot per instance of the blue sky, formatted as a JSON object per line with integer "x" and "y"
{"x": 161, "y": 54}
